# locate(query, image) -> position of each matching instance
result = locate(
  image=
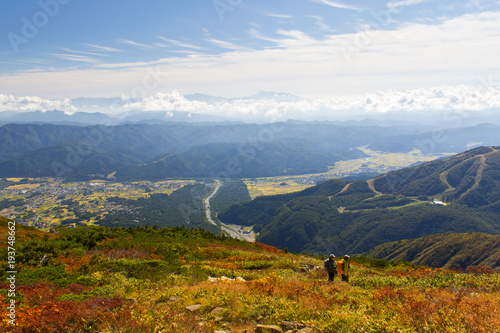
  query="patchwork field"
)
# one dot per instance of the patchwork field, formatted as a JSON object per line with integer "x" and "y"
{"x": 381, "y": 162}
{"x": 273, "y": 186}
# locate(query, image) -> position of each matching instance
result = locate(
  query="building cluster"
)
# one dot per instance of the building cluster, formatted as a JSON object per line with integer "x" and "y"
{"x": 47, "y": 202}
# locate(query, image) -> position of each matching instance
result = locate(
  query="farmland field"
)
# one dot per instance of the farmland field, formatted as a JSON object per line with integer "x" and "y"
{"x": 272, "y": 186}
{"x": 381, "y": 162}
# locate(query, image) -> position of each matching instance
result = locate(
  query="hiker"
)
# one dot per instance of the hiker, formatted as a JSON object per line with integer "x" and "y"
{"x": 343, "y": 268}
{"x": 331, "y": 267}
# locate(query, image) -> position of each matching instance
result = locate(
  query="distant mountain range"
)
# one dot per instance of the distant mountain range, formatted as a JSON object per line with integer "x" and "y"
{"x": 454, "y": 195}
{"x": 98, "y": 118}
{"x": 235, "y": 150}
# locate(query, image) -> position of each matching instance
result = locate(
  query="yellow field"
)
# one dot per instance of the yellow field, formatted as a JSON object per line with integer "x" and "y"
{"x": 273, "y": 186}
{"x": 383, "y": 160}
{"x": 15, "y": 180}
{"x": 23, "y": 187}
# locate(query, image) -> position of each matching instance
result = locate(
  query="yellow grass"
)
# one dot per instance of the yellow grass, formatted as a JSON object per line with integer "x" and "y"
{"x": 15, "y": 180}
{"x": 23, "y": 187}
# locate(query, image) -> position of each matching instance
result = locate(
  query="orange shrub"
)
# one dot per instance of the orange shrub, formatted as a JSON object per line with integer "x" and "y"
{"x": 479, "y": 270}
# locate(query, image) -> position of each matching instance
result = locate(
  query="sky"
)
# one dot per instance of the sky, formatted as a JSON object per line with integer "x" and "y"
{"x": 334, "y": 56}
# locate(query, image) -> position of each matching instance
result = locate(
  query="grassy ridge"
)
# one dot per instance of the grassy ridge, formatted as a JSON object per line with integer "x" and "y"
{"x": 95, "y": 279}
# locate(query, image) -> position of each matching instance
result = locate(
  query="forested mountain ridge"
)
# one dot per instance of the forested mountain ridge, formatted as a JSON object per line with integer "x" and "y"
{"x": 339, "y": 217}
{"x": 457, "y": 251}
{"x": 230, "y": 160}
{"x": 471, "y": 178}
{"x": 452, "y": 140}
{"x": 302, "y": 146}
{"x": 24, "y": 148}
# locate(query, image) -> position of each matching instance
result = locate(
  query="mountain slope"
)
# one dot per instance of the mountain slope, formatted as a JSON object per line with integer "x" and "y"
{"x": 301, "y": 146}
{"x": 452, "y": 140}
{"x": 456, "y": 251}
{"x": 95, "y": 279}
{"x": 471, "y": 178}
{"x": 22, "y": 144}
{"x": 230, "y": 160}
{"x": 354, "y": 217}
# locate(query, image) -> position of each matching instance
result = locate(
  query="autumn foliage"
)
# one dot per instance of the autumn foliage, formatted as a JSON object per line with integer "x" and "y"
{"x": 142, "y": 280}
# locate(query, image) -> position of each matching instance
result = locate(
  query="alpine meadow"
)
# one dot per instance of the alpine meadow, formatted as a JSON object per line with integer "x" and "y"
{"x": 234, "y": 166}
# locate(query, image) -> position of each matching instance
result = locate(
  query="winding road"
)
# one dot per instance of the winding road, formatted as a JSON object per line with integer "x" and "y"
{"x": 208, "y": 213}
{"x": 224, "y": 228}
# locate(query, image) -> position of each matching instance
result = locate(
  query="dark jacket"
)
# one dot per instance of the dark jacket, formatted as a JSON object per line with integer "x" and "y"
{"x": 331, "y": 266}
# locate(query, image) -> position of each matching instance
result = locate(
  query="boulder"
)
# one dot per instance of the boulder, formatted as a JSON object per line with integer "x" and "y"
{"x": 268, "y": 329}
{"x": 194, "y": 307}
{"x": 217, "y": 310}
{"x": 291, "y": 325}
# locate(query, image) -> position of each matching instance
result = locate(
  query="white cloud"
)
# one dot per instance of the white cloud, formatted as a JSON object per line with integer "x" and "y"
{"x": 449, "y": 52}
{"x": 401, "y": 3}
{"x": 444, "y": 98}
{"x": 278, "y": 15}
{"x": 34, "y": 103}
{"x": 102, "y": 48}
{"x": 180, "y": 43}
{"x": 173, "y": 101}
{"x": 226, "y": 45}
{"x": 131, "y": 42}
{"x": 82, "y": 52}
{"x": 76, "y": 57}
{"x": 336, "y": 4}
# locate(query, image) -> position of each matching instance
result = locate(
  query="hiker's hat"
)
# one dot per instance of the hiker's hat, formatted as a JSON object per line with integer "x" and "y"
{"x": 346, "y": 257}
{"x": 332, "y": 255}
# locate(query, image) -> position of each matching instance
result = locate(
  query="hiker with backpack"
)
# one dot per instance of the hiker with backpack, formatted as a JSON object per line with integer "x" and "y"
{"x": 343, "y": 268}
{"x": 331, "y": 267}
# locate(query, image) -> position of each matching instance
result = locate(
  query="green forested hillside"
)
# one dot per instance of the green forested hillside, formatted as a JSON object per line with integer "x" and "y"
{"x": 184, "y": 207}
{"x": 471, "y": 178}
{"x": 229, "y": 160}
{"x": 354, "y": 217}
{"x": 260, "y": 211}
{"x": 447, "y": 140}
{"x": 229, "y": 193}
{"x": 196, "y": 149}
{"x": 23, "y": 148}
{"x": 451, "y": 250}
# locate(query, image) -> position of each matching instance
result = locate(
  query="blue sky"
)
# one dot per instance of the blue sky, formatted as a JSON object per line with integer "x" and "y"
{"x": 316, "y": 49}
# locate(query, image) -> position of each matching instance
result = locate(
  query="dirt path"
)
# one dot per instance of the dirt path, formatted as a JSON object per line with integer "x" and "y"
{"x": 371, "y": 185}
{"x": 442, "y": 177}
{"x": 478, "y": 177}
{"x": 342, "y": 191}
